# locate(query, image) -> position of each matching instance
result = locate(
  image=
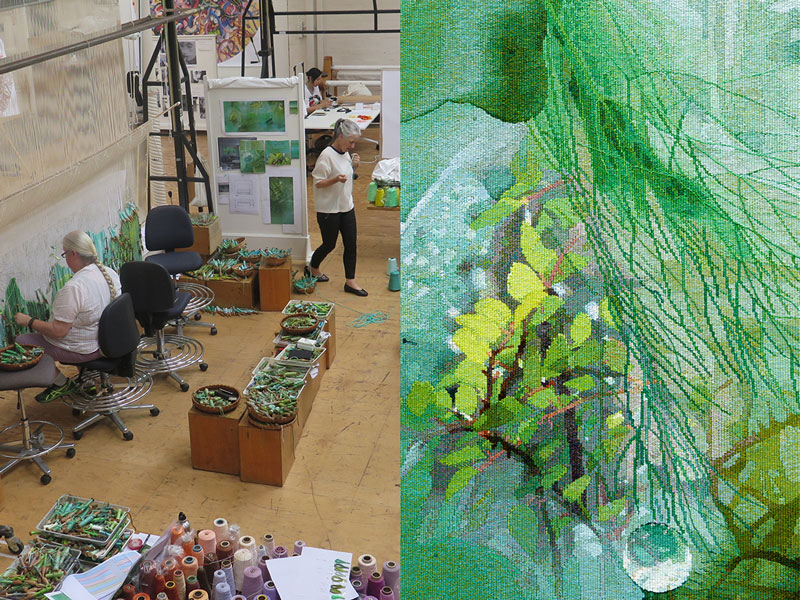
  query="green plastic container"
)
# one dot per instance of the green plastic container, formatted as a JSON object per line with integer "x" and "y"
{"x": 390, "y": 199}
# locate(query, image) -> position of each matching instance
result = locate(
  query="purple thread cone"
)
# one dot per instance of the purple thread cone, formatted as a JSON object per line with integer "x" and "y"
{"x": 270, "y": 591}
{"x": 252, "y": 583}
{"x": 280, "y": 552}
{"x": 387, "y": 593}
{"x": 228, "y": 570}
{"x": 298, "y": 547}
{"x": 222, "y": 591}
{"x": 359, "y": 586}
{"x": 375, "y": 584}
{"x": 262, "y": 565}
{"x": 239, "y": 597}
{"x": 369, "y": 598}
{"x": 391, "y": 576}
{"x": 355, "y": 573}
{"x": 219, "y": 577}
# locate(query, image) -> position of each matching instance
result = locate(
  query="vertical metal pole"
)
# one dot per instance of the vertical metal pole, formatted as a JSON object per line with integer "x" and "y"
{"x": 263, "y": 17}
{"x": 174, "y": 78}
{"x": 271, "y": 38}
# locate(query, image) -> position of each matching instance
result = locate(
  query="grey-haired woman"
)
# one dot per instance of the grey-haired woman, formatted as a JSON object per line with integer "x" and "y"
{"x": 71, "y": 333}
{"x": 333, "y": 202}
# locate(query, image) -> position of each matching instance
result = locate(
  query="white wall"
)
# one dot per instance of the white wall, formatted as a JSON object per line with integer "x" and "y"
{"x": 355, "y": 49}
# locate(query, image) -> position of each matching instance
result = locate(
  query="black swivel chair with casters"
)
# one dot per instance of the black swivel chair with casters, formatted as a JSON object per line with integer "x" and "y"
{"x": 167, "y": 228}
{"x": 100, "y": 397}
{"x": 156, "y": 303}
{"x": 38, "y": 437}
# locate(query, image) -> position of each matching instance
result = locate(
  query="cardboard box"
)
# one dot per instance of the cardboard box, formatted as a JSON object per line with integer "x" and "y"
{"x": 274, "y": 286}
{"x": 214, "y": 440}
{"x": 241, "y": 293}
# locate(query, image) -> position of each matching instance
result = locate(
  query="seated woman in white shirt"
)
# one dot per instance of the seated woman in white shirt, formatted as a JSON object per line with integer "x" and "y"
{"x": 315, "y": 97}
{"x": 71, "y": 333}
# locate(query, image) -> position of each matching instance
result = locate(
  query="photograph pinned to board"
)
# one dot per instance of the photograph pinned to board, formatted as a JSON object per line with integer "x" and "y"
{"x": 295, "y": 149}
{"x": 278, "y": 153}
{"x": 229, "y": 152}
{"x": 281, "y": 202}
{"x": 244, "y": 192}
{"x": 223, "y": 188}
{"x": 292, "y": 107}
{"x": 262, "y": 116}
{"x": 251, "y": 156}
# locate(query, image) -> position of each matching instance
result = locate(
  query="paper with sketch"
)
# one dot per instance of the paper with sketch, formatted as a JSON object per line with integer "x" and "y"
{"x": 244, "y": 193}
{"x": 316, "y": 574}
{"x": 100, "y": 582}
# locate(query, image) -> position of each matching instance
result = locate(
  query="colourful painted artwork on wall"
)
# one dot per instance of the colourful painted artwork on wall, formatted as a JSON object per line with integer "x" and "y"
{"x": 223, "y": 19}
{"x": 115, "y": 247}
{"x": 600, "y": 357}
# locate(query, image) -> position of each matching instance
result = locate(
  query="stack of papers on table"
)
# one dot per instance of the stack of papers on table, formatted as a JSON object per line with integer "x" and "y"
{"x": 314, "y": 575}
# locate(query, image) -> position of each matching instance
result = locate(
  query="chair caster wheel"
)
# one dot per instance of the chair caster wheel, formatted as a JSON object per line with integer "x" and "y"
{"x": 213, "y": 331}
{"x": 154, "y": 412}
{"x": 76, "y": 435}
{"x": 184, "y": 387}
{"x": 127, "y": 436}
{"x": 70, "y": 452}
{"x": 204, "y": 366}
{"x": 197, "y": 316}
{"x": 15, "y": 545}
{"x": 45, "y": 479}
{"x": 76, "y": 412}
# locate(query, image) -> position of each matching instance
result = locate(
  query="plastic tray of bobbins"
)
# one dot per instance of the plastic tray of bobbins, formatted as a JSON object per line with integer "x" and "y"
{"x": 77, "y": 523}
{"x": 25, "y": 564}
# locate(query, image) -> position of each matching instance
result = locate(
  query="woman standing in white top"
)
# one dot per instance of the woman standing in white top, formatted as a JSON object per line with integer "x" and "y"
{"x": 333, "y": 202}
{"x": 71, "y": 333}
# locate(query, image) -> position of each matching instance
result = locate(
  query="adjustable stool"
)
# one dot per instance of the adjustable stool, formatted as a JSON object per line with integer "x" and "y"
{"x": 39, "y": 441}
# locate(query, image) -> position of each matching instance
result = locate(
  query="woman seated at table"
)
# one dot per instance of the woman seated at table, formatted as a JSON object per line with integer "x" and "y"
{"x": 71, "y": 333}
{"x": 314, "y": 91}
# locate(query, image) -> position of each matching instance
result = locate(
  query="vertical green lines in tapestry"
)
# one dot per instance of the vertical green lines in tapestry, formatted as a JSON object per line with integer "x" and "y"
{"x": 113, "y": 249}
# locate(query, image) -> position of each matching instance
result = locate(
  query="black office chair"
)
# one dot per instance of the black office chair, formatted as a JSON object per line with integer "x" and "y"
{"x": 156, "y": 303}
{"x": 38, "y": 437}
{"x": 97, "y": 394}
{"x": 167, "y": 228}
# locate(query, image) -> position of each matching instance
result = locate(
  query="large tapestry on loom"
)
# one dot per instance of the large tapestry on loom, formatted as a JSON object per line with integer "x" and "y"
{"x": 601, "y": 278}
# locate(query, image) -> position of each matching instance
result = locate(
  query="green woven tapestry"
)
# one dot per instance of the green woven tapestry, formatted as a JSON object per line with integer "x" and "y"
{"x": 601, "y": 280}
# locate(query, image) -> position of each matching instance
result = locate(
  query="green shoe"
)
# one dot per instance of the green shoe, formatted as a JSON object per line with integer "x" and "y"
{"x": 55, "y": 391}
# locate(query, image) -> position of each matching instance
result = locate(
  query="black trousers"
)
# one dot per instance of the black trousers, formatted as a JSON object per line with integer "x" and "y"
{"x": 330, "y": 225}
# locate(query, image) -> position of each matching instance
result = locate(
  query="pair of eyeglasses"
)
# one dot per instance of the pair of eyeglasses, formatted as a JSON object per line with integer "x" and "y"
{"x": 64, "y": 253}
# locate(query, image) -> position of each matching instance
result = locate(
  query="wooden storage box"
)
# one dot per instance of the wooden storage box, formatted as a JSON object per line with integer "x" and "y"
{"x": 267, "y": 455}
{"x": 214, "y": 440}
{"x": 330, "y": 327}
{"x": 274, "y": 286}
{"x": 206, "y": 239}
{"x": 241, "y": 293}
